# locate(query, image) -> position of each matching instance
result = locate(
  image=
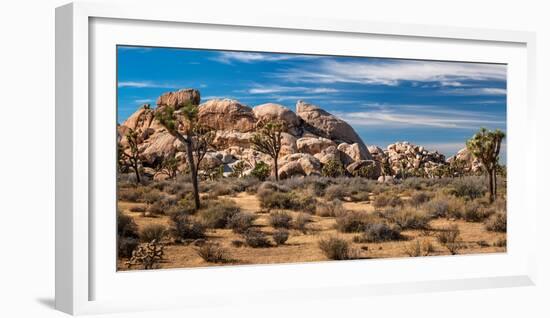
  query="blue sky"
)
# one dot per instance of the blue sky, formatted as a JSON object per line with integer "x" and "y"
{"x": 431, "y": 103}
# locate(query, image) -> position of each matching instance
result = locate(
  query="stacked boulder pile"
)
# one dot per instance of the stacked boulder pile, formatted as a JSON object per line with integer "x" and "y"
{"x": 312, "y": 138}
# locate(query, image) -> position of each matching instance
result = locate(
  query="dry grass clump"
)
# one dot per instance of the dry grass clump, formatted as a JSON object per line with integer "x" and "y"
{"x": 212, "y": 253}
{"x": 379, "y": 232}
{"x": 240, "y": 222}
{"x": 138, "y": 208}
{"x": 475, "y": 212}
{"x": 351, "y": 222}
{"x": 444, "y": 206}
{"x": 130, "y": 194}
{"x": 275, "y": 199}
{"x": 387, "y": 199}
{"x": 500, "y": 242}
{"x": 497, "y": 222}
{"x": 218, "y": 213}
{"x": 301, "y": 221}
{"x": 256, "y": 238}
{"x": 335, "y": 191}
{"x": 280, "y": 236}
{"x": 329, "y": 208}
{"x": 419, "y": 197}
{"x": 417, "y": 248}
{"x": 408, "y": 218}
{"x": 280, "y": 219}
{"x": 335, "y": 248}
{"x": 153, "y": 232}
{"x": 450, "y": 238}
{"x": 229, "y": 186}
{"x": 469, "y": 187}
{"x": 186, "y": 227}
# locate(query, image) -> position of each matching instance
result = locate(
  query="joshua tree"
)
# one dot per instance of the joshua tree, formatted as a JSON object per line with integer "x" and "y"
{"x": 169, "y": 167}
{"x": 133, "y": 139}
{"x": 268, "y": 140}
{"x": 192, "y": 134}
{"x": 485, "y": 145}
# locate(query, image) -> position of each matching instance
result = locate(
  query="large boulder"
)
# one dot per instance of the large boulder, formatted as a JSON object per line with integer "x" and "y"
{"x": 365, "y": 168}
{"x": 468, "y": 162}
{"x": 328, "y": 154}
{"x": 299, "y": 164}
{"x": 350, "y": 153}
{"x": 228, "y": 138}
{"x": 313, "y": 145}
{"x": 227, "y": 114}
{"x": 324, "y": 124}
{"x": 275, "y": 112}
{"x": 288, "y": 144}
{"x": 179, "y": 98}
{"x": 159, "y": 146}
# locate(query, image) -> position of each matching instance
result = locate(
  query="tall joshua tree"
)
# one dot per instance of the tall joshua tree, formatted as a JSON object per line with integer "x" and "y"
{"x": 193, "y": 137}
{"x": 268, "y": 140}
{"x": 485, "y": 145}
{"x": 133, "y": 139}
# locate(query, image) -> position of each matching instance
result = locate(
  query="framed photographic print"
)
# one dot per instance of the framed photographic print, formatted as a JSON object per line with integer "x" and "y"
{"x": 238, "y": 155}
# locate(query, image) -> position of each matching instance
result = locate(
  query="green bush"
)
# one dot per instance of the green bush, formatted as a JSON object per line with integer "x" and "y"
{"x": 185, "y": 227}
{"x": 469, "y": 187}
{"x": 218, "y": 213}
{"x": 333, "y": 168}
{"x": 261, "y": 171}
{"x": 335, "y": 248}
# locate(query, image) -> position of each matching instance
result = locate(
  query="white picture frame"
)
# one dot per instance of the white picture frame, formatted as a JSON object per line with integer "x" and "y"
{"x": 80, "y": 261}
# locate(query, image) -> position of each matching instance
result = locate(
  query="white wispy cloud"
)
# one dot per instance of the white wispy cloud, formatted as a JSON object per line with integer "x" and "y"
{"x": 253, "y": 57}
{"x": 146, "y": 84}
{"x": 420, "y": 116}
{"x": 273, "y": 89}
{"x": 141, "y": 49}
{"x": 391, "y": 73}
{"x": 145, "y": 100}
{"x": 476, "y": 91}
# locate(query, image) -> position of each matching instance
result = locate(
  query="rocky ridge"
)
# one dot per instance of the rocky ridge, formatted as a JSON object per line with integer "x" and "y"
{"x": 313, "y": 138}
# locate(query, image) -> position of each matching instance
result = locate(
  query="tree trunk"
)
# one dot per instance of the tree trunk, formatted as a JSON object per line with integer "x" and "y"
{"x": 193, "y": 170}
{"x": 491, "y": 186}
{"x": 495, "y": 184}
{"x": 276, "y": 168}
{"x": 136, "y": 170}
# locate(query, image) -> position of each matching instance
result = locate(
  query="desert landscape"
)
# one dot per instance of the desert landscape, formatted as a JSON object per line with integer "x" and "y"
{"x": 221, "y": 183}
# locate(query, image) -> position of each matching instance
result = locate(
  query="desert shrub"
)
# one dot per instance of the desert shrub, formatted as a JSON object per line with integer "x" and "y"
{"x": 301, "y": 221}
{"x": 156, "y": 208}
{"x": 469, "y": 187}
{"x": 130, "y": 194}
{"x": 501, "y": 242}
{"x": 261, "y": 171}
{"x": 386, "y": 199}
{"x": 497, "y": 222}
{"x": 417, "y": 248}
{"x": 335, "y": 248}
{"x": 350, "y": 222}
{"x": 280, "y": 219}
{"x": 329, "y": 208}
{"x": 409, "y": 218}
{"x": 419, "y": 197}
{"x": 185, "y": 227}
{"x": 333, "y": 168}
{"x": 335, "y": 191}
{"x": 267, "y": 187}
{"x": 413, "y": 183}
{"x": 151, "y": 195}
{"x": 126, "y": 245}
{"x": 217, "y": 213}
{"x": 287, "y": 200}
{"x": 126, "y": 226}
{"x": 127, "y": 235}
{"x": 137, "y": 208}
{"x": 379, "y": 232}
{"x": 304, "y": 202}
{"x": 450, "y": 238}
{"x": 474, "y": 212}
{"x": 152, "y": 232}
{"x": 240, "y": 222}
{"x": 212, "y": 253}
{"x": 443, "y": 206}
{"x": 280, "y": 236}
{"x": 256, "y": 238}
